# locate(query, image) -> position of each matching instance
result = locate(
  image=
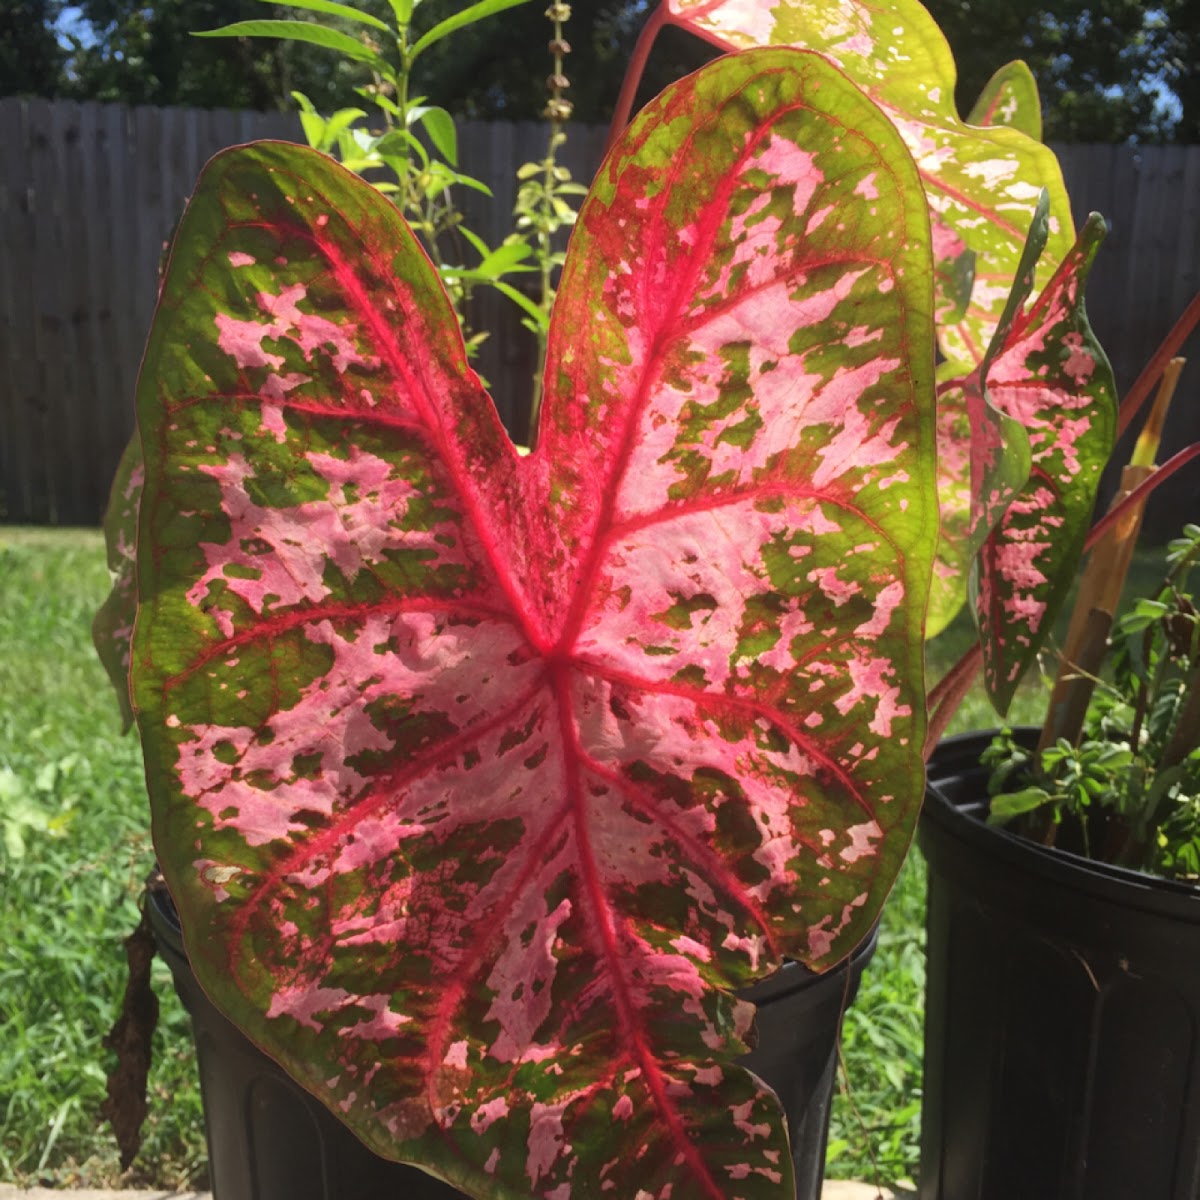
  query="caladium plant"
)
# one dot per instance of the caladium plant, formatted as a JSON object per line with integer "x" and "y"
{"x": 1002, "y": 232}
{"x": 482, "y": 782}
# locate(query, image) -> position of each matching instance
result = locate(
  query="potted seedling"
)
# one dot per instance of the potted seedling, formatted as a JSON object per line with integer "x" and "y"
{"x": 485, "y": 784}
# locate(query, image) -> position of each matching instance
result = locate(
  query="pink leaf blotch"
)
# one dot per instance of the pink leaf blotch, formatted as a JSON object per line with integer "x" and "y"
{"x": 483, "y": 782}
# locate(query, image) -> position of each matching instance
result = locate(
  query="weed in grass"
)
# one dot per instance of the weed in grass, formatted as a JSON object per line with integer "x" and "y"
{"x": 73, "y": 853}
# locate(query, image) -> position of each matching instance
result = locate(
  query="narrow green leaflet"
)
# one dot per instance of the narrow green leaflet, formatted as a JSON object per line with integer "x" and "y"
{"x": 468, "y": 16}
{"x": 439, "y": 124}
{"x": 1047, "y": 371}
{"x": 322, "y": 134}
{"x": 1010, "y": 98}
{"x": 302, "y": 31}
{"x": 345, "y": 11}
{"x": 982, "y": 183}
{"x": 483, "y": 783}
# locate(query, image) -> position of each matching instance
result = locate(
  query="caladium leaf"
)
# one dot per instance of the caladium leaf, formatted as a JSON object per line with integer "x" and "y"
{"x": 482, "y": 782}
{"x": 1010, "y": 98}
{"x": 1047, "y": 371}
{"x": 983, "y": 455}
{"x": 112, "y": 627}
{"x": 983, "y": 462}
{"x": 982, "y": 182}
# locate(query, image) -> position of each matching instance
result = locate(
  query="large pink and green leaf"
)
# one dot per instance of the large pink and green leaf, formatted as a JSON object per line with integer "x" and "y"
{"x": 982, "y": 181}
{"x": 1046, "y": 370}
{"x": 482, "y": 782}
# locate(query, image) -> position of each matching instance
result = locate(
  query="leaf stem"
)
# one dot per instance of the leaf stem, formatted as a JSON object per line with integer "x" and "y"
{"x": 633, "y": 74}
{"x": 944, "y": 700}
{"x": 1137, "y": 394}
{"x": 1141, "y": 492}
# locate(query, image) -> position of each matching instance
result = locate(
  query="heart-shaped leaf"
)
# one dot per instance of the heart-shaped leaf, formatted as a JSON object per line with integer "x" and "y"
{"x": 983, "y": 183}
{"x": 482, "y": 782}
{"x": 1047, "y": 371}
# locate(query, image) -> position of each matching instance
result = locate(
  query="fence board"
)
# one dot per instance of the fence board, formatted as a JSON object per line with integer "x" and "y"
{"x": 91, "y": 192}
{"x": 17, "y": 364}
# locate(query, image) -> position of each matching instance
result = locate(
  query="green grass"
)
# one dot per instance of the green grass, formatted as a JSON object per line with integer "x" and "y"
{"x": 876, "y": 1123}
{"x": 73, "y": 853}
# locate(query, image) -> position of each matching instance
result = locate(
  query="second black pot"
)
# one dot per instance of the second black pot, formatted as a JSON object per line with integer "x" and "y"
{"x": 1062, "y": 1046}
{"x": 268, "y": 1139}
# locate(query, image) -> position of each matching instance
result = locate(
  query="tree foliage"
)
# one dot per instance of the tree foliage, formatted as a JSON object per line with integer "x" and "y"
{"x": 31, "y": 58}
{"x": 1104, "y": 67}
{"x": 1108, "y": 70}
{"x": 140, "y": 53}
{"x": 499, "y": 69}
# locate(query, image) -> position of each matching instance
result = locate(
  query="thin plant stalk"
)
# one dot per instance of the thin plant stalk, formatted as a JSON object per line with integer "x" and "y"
{"x": 633, "y": 76}
{"x": 1171, "y": 344}
{"x": 558, "y": 109}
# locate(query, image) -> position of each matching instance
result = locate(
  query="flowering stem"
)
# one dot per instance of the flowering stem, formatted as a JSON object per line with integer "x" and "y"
{"x": 557, "y": 112}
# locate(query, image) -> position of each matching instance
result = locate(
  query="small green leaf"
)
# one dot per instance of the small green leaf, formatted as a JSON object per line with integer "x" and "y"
{"x": 476, "y": 241}
{"x": 468, "y": 16}
{"x": 397, "y": 143}
{"x": 439, "y": 124}
{"x": 506, "y": 257}
{"x": 1012, "y": 804}
{"x": 402, "y": 10}
{"x": 523, "y": 302}
{"x": 339, "y": 123}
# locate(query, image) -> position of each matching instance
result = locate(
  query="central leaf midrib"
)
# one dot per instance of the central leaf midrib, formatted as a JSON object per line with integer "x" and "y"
{"x": 710, "y": 220}
{"x": 603, "y": 918}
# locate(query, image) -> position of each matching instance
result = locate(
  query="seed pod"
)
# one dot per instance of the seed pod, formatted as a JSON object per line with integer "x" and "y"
{"x": 558, "y": 83}
{"x": 559, "y": 46}
{"x": 558, "y": 110}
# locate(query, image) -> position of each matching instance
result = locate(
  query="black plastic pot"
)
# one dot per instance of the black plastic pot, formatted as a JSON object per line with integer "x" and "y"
{"x": 268, "y": 1139}
{"x": 1062, "y": 1023}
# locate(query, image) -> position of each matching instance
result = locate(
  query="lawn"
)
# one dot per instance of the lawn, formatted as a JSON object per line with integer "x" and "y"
{"x": 74, "y": 850}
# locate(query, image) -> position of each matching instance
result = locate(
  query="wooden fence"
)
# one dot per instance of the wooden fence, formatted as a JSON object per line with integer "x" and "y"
{"x": 89, "y": 195}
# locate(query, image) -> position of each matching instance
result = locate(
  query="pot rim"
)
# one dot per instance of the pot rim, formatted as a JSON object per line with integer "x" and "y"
{"x": 959, "y": 816}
